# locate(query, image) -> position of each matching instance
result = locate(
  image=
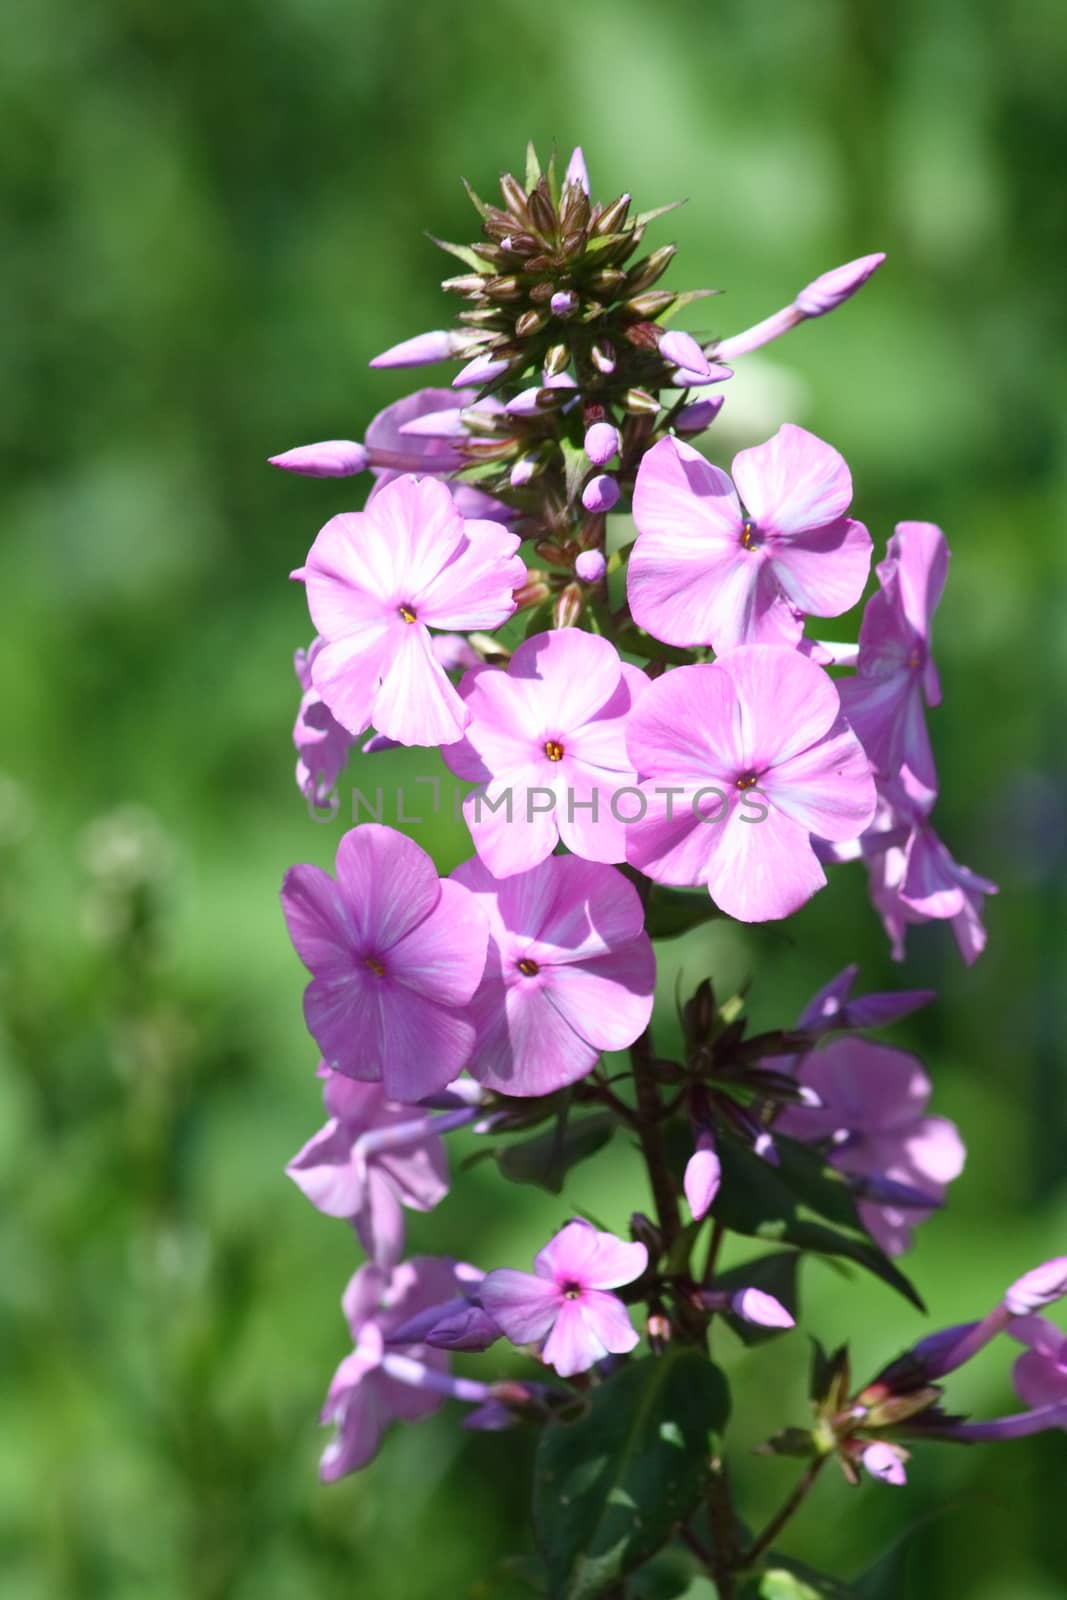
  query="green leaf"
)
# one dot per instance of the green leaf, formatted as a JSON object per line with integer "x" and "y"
{"x": 672, "y": 912}
{"x": 533, "y": 166}
{"x": 759, "y": 1200}
{"x": 643, "y": 218}
{"x": 546, "y": 1159}
{"x": 610, "y": 1488}
{"x": 775, "y": 1274}
{"x": 792, "y": 1580}
{"x": 462, "y": 252}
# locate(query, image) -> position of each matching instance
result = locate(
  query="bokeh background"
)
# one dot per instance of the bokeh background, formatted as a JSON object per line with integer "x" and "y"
{"x": 212, "y": 218}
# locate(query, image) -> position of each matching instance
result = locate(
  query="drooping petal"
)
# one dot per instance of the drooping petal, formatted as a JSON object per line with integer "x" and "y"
{"x": 347, "y": 673}
{"x": 417, "y": 703}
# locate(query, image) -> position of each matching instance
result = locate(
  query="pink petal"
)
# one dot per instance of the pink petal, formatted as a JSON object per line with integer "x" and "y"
{"x": 570, "y": 675}
{"x": 475, "y": 589}
{"x": 584, "y": 1255}
{"x": 607, "y": 1000}
{"x": 444, "y": 956}
{"x": 319, "y": 921}
{"x": 793, "y": 482}
{"x": 418, "y": 1046}
{"x": 608, "y": 1320}
{"x": 347, "y": 585}
{"x": 824, "y": 571}
{"x": 922, "y": 554}
{"x": 417, "y": 703}
{"x": 347, "y": 672}
{"x": 686, "y": 727}
{"x": 828, "y": 789}
{"x": 703, "y": 1174}
{"x": 326, "y": 1174}
{"x": 525, "y": 1046}
{"x": 572, "y": 1346}
{"x": 380, "y": 1221}
{"x": 386, "y": 884}
{"x": 760, "y": 871}
{"x": 787, "y": 703}
{"x": 522, "y": 1306}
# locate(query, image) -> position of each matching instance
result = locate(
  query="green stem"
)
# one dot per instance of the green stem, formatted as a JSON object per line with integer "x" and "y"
{"x": 650, "y": 1133}
{"x": 790, "y": 1506}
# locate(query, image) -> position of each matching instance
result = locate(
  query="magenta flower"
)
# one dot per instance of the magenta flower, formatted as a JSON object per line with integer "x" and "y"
{"x": 372, "y": 1158}
{"x": 742, "y": 762}
{"x": 376, "y": 1385}
{"x": 569, "y": 973}
{"x": 872, "y": 1109}
{"x": 395, "y": 956}
{"x": 895, "y": 670}
{"x": 705, "y": 572}
{"x": 377, "y": 581}
{"x": 1040, "y": 1373}
{"x": 564, "y": 1305}
{"x": 322, "y": 745}
{"x": 546, "y": 743}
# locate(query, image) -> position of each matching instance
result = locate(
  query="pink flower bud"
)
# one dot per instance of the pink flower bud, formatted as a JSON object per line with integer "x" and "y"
{"x": 563, "y": 303}
{"x": 703, "y": 1174}
{"x": 1041, "y": 1287}
{"x": 591, "y": 566}
{"x": 522, "y": 472}
{"x": 601, "y": 443}
{"x": 600, "y": 493}
{"x": 837, "y": 286}
{"x": 753, "y": 1305}
{"x": 883, "y": 1462}
{"x": 333, "y": 458}
{"x": 698, "y": 416}
{"x": 422, "y": 350}
{"x": 483, "y": 369}
{"x": 682, "y": 350}
{"x": 576, "y": 172}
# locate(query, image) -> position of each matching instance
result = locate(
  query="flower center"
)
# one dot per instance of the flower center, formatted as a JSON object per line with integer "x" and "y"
{"x": 376, "y": 966}
{"x": 915, "y": 661}
{"x": 572, "y": 1291}
{"x": 407, "y": 613}
{"x": 748, "y": 780}
{"x": 553, "y": 750}
{"x": 528, "y": 968}
{"x": 750, "y": 538}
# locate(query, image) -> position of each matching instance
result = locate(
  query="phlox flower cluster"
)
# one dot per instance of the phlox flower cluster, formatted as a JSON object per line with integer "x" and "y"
{"x": 647, "y": 732}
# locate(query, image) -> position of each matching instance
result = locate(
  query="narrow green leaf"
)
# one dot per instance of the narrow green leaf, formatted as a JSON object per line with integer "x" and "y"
{"x": 672, "y": 912}
{"x": 533, "y": 166}
{"x": 610, "y": 1488}
{"x": 462, "y": 252}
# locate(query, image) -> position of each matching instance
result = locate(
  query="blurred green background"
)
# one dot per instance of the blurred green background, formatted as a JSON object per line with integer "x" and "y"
{"x": 212, "y": 218}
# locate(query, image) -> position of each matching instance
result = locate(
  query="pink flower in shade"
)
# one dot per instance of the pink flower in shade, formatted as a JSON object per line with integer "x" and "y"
{"x": 564, "y": 1305}
{"x": 742, "y": 762}
{"x": 895, "y": 670}
{"x": 913, "y": 877}
{"x": 1040, "y": 1373}
{"x": 885, "y": 1462}
{"x": 378, "y": 1384}
{"x": 873, "y": 1112}
{"x": 395, "y": 956}
{"x": 703, "y": 1174}
{"x": 372, "y": 1158}
{"x": 546, "y": 743}
{"x": 377, "y": 581}
{"x": 322, "y": 745}
{"x": 569, "y": 973}
{"x": 705, "y": 572}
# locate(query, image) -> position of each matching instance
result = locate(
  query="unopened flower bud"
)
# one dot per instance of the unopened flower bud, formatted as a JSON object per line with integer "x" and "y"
{"x": 470, "y": 283}
{"x": 568, "y": 607}
{"x": 1041, "y": 1287}
{"x": 601, "y": 443}
{"x": 541, "y": 398}
{"x": 699, "y": 415}
{"x": 682, "y": 350}
{"x": 612, "y": 219}
{"x": 531, "y": 594}
{"x": 529, "y": 323}
{"x": 833, "y": 288}
{"x": 652, "y": 304}
{"x": 515, "y": 198}
{"x": 423, "y": 350}
{"x": 703, "y": 1174}
{"x": 482, "y": 369}
{"x": 646, "y": 272}
{"x": 640, "y": 403}
{"x": 601, "y": 493}
{"x": 603, "y": 357}
{"x": 505, "y": 288}
{"x": 563, "y": 303}
{"x": 591, "y": 566}
{"x": 556, "y": 359}
{"x": 332, "y": 458}
{"x": 754, "y": 1305}
{"x": 607, "y": 280}
{"x": 882, "y": 1461}
{"x": 576, "y": 172}
{"x": 542, "y": 211}
{"x": 523, "y": 471}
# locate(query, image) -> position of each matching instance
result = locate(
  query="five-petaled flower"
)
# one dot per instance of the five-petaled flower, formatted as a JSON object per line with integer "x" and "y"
{"x": 565, "y": 1305}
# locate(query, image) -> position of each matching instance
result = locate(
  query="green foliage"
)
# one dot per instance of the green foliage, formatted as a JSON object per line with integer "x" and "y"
{"x": 610, "y": 1488}
{"x": 547, "y": 1157}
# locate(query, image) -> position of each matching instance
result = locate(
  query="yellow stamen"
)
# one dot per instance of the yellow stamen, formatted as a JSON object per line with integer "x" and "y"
{"x": 554, "y": 750}
{"x": 376, "y": 967}
{"x": 528, "y": 968}
{"x": 407, "y": 613}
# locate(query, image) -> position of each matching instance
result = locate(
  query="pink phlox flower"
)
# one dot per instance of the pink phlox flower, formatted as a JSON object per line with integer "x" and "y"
{"x": 322, "y": 744}
{"x": 546, "y": 744}
{"x": 377, "y": 581}
{"x": 704, "y": 572}
{"x": 743, "y": 762}
{"x": 565, "y": 1305}
{"x": 395, "y": 956}
{"x": 569, "y": 972}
